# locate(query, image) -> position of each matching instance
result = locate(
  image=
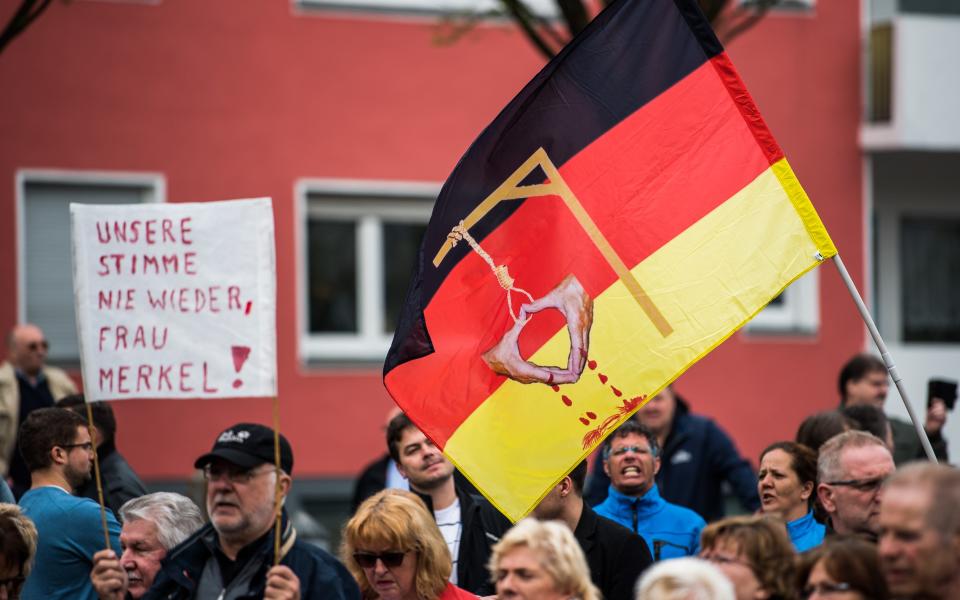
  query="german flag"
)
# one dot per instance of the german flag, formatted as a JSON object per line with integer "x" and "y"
{"x": 622, "y": 216}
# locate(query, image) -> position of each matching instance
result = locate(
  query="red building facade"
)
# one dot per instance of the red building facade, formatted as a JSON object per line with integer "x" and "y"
{"x": 350, "y": 120}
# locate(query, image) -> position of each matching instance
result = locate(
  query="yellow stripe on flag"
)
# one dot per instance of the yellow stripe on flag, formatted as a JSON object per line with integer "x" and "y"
{"x": 708, "y": 281}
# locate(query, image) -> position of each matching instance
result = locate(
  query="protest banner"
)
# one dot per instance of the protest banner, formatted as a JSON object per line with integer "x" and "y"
{"x": 176, "y": 300}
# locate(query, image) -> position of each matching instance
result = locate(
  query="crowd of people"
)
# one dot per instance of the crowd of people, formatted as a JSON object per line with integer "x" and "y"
{"x": 843, "y": 511}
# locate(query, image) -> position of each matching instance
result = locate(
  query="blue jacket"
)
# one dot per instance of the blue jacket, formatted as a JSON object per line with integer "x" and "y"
{"x": 806, "y": 532}
{"x": 670, "y": 531}
{"x": 321, "y": 576}
{"x": 696, "y": 459}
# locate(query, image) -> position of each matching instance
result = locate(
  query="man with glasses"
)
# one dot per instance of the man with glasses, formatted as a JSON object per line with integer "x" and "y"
{"x": 233, "y": 556}
{"x": 55, "y": 444}
{"x": 26, "y": 384}
{"x": 631, "y": 460}
{"x": 851, "y": 469}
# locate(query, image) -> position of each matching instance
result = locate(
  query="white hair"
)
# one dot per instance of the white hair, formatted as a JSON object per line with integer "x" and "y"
{"x": 684, "y": 579}
{"x": 176, "y": 516}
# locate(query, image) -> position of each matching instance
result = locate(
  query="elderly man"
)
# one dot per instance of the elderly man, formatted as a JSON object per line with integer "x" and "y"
{"x": 616, "y": 556}
{"x": 920, "y": 532}
{"x": 26, "y": 384}
{"x": 152, "y": 526}
{"x": 851, "y": 469}
{"x": 56, "y": 446}
{"x": 632, "y": 460}
{"x": 233, "y": 555}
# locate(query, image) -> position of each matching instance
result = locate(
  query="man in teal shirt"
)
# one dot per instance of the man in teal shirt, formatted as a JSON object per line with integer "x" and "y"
{"x": 58, "y": 451}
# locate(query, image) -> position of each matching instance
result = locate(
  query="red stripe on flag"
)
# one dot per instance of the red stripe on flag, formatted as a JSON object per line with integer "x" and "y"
{"x": 743, "y": 100}
{"x": 643, "y": 183}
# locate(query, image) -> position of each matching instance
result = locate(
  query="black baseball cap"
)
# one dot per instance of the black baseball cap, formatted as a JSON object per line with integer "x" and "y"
{"x": 248, "y": 445}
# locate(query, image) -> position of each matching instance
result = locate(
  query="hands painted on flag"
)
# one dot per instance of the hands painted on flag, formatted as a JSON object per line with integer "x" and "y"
{"x": 576, "y": 306}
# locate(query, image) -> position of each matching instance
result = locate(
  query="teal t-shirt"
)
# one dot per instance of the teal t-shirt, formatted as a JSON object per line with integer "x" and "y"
{"x": 70, "y": 533}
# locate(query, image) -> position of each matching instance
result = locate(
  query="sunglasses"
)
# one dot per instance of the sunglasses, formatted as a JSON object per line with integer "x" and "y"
{"x": 368, "y": 560}
{"x": 861, "y": 485}
{"x": 34, "y": 346}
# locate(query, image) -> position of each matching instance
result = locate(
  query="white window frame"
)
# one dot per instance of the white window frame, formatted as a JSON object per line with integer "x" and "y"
{"x": 797, "y": 314}
{"x": 374, "y": 204}
{"x": 154, "y": 184}
{"x": 544, "y": 8}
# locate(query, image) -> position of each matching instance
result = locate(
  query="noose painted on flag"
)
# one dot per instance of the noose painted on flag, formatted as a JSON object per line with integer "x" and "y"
{"x": 568, "y": 297}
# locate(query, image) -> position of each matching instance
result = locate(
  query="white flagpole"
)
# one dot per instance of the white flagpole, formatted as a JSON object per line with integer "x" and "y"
{"x": 885, "y": 355}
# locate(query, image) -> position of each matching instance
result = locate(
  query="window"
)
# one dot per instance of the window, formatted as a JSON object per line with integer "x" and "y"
{"x": 795, "y": 311}
{"x": 359, "y": 249}
{"x": 45, "y": 266}
{"x": 930, "y": 272}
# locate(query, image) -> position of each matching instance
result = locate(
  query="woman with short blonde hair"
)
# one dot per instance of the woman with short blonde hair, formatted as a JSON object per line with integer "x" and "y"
{"x": 548, "y": 560}
{"x": 395, "y": 551}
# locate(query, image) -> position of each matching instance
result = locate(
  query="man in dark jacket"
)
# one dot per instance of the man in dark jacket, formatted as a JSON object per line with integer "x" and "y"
{"x": 120, "y": 483}
{"x": 616, "y": 556}
{"x": 469, "y": 524}
{"x": 697, "y": 457}
{"x": 232, "y": 557}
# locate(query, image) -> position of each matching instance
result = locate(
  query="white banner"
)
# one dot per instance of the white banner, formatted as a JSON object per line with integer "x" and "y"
{"x": 176, "y": 300}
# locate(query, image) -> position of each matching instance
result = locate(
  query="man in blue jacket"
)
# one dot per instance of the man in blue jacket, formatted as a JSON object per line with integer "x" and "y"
{"x": 232, "y": 557}
{"x": 631, "y": 460}
{"x": 698, "y": 457}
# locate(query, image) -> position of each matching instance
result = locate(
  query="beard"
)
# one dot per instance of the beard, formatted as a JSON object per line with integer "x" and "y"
{"x": 77, "y": 478}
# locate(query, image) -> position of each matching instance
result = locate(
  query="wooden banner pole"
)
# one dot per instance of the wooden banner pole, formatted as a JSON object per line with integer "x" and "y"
{"x": 96, "y": 473}
{"x": 885, "y": 354}
{"x": 277, "y": 500}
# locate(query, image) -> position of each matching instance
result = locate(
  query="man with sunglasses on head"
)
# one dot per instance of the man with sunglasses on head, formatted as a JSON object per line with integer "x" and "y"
{"x": 851, "y": 469}
{"x": 26, "y": 384}
{"x": 232, "y": 557}
{"x": 56, "y": 446}
{"x": 631, "y": 458}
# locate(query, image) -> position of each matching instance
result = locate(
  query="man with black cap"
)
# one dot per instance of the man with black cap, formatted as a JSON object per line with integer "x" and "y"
{"x": 232, "y": 557}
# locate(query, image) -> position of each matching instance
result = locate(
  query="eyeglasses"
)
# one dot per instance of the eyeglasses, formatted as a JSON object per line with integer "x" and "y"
{"x": 825, "y": 589}
{"x": 88, "y": 446}
{"x": 34, "y": 346}
{"x": 861, "y": 485}
{"x": 624, "y": 449}
{"x": 219, "y": 473}
{"x": 368, "y": 560}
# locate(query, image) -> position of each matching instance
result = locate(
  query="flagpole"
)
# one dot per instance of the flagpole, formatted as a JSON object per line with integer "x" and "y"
{"x": 277, "y": 499}
{"x": 884, "y": 354}
{"x": 96, "y": 473}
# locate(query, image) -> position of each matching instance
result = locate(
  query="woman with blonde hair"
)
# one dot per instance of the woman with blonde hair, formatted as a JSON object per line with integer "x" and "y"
{"x": 395, "y": 551}
{"x": 18, "y": 546}
{"x": 541, "y": 560}
{"x": 755, "y": 553}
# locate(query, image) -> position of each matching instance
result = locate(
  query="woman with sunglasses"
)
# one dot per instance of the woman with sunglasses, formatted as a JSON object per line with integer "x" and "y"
{"x": 786, "y": 485}
{"x": 843, "y": 568}
{"x": 755, "y": 553}
{"x": 395, "y": 551}
{"x": 541, "y": 560}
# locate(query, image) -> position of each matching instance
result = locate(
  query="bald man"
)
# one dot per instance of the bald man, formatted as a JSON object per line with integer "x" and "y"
{"x": 26, "y": 384}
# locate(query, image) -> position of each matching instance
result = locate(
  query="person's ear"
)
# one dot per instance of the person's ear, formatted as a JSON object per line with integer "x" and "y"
{"x": 58, "y": 455}
{"x": 656, "y": 465}
{"x": 825, "y": 494}
{"x": 606, "y": 466}
{"x": 286, "y": 482}
{"x": 806, "y": 490}
{"x": 565, "y": 486}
